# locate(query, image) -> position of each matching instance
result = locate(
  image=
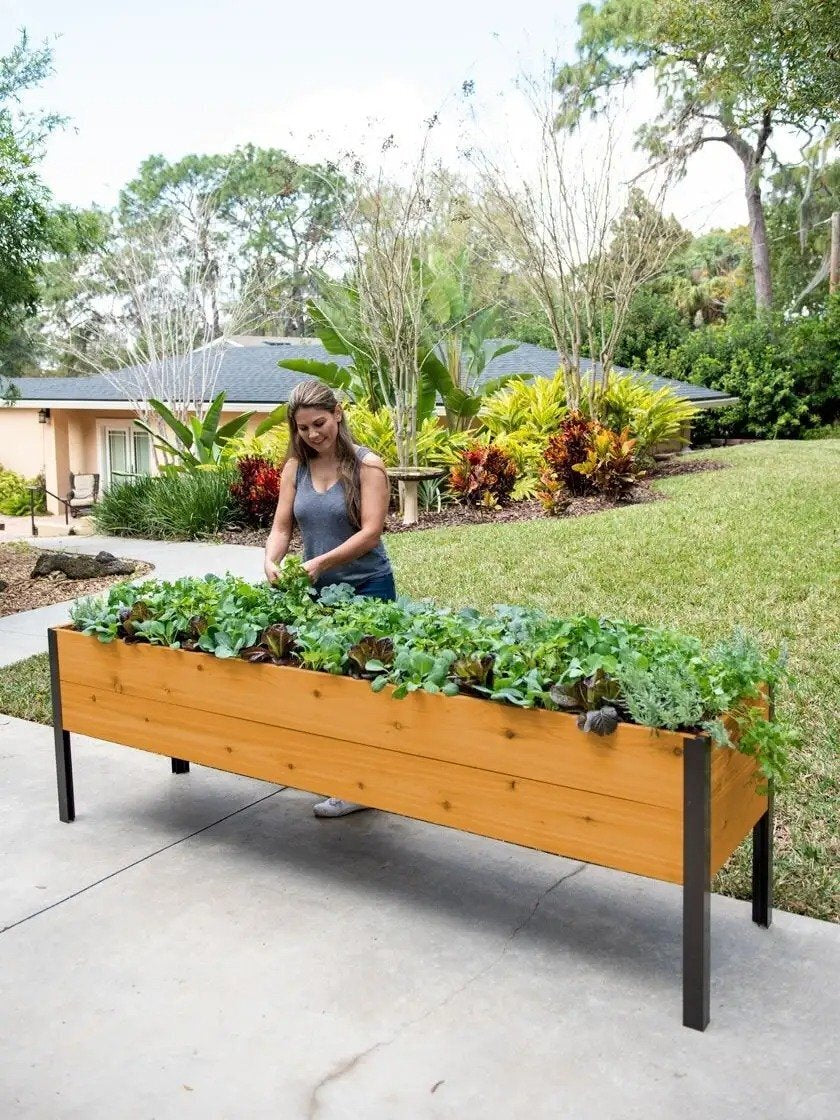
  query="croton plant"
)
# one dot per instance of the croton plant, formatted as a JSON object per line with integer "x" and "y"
{"x": 605, "y": 671}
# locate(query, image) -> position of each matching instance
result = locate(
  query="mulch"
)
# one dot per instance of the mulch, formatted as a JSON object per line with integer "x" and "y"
{"x": 456, "y": 514}
{"x": 25, "y": 594}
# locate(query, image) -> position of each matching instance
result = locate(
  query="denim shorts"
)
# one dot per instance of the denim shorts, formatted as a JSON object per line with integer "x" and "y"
{"x": 378, "y": 587}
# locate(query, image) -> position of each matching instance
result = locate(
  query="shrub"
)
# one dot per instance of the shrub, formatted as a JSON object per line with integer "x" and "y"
{"x": 182, "y": 505}
{"x": 257, "y": 489}
{"x": 651, "y": 416}
{"x": 610, "y": 466}
{"x": 484, "y": 476}
{"x": 536, "y": 407}
{"x": 272, "y": 446}
{"x": 436, "y": 445}
{"x": 14, "y": 494}
{"x": 568, "y": 448}
{"x": 787, "y": 375}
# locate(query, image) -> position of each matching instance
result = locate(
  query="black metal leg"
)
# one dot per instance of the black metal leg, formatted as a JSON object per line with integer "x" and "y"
{"x": 63, "y": 754}
{"x": 696, "y": 880}
{"x": 762, "y": 867}
{"x": 180, "y": 766}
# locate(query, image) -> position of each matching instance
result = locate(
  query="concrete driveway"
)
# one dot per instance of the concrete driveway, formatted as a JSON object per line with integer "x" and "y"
{"x": 201, "y": 946}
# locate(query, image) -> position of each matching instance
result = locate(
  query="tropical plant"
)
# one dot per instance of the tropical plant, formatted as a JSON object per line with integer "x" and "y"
{"x": 610, "y": 465}
{"x": 335, "y": 318}
{"x": 568, "y": 448}
{"x": 651, "y": 416}
{"x": 537, "y": 405}
{"x": 200, "y": 443}
{"x": 256, "y": 490}
{"x": 457, "y": 345}
{"x": 436, "y": 445}
{"x": 484, "y": 475}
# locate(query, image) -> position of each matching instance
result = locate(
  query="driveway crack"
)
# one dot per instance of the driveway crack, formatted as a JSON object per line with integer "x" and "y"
{"x": 349, "y": 1064}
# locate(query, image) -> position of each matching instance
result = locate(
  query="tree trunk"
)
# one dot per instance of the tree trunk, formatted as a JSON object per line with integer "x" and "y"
{"x": 760, "y": 247}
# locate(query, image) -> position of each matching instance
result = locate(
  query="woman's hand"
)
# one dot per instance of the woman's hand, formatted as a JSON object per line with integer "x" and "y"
{"x": 272, "y": 572}
{"x": 314, "y": 568}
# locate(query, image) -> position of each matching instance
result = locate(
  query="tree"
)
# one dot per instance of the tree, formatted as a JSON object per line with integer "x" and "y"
{"x": 799, "y": 208}
{"x": 255, "y": 214}
{"x": 24, "y": 200}
{"x": 155, "y": 338}
{"x": 282, "y": 216}
{"x": 727, "y": 71}
{"x": 580, "y": 237}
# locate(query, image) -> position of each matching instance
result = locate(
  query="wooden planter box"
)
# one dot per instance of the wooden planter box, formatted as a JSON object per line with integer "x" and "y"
{"x": 654, "y": 803}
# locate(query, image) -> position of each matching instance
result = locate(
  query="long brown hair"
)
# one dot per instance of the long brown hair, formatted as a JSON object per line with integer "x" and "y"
{"x": 315, "y": 394}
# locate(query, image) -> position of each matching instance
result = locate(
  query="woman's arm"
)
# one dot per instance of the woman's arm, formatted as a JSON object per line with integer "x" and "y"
{"x": 277, "y": 544}
{"x": 376, "y": 494}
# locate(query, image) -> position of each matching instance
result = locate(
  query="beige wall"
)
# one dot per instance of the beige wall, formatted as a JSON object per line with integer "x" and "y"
{"x": 23, "y": 441}
{"x": 69, "y": 441}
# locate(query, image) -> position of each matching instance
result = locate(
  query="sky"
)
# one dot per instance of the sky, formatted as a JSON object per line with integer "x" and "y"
{"x": 178, "y": 76}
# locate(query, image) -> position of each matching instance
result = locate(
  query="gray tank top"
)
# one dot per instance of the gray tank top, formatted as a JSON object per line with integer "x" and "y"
{"x": 324, "y": 525}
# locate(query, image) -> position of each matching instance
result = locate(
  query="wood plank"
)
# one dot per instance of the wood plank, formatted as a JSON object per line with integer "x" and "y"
{"x": 736, "y": 807}
{"x": 635, "y": 763}
{"x": 614, "y": 832}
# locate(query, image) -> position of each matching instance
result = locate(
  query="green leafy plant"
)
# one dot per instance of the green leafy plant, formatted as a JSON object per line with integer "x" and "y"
{"x": 650, "y": 416}
{"x": 14, "y": 494}
{"x": 184, "y": 505}
{"x": 199, "y": 443}
{"x": 603, "y": 670}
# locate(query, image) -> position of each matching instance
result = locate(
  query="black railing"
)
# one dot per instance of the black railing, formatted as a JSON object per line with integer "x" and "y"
{"x": 33, "y": 490}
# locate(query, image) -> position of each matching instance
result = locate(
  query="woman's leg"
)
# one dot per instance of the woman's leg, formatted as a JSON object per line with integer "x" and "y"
{"x": 379, "y": 587}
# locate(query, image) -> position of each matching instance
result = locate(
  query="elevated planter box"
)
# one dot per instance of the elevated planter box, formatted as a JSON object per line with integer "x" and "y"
{"x": 654, "y": 803}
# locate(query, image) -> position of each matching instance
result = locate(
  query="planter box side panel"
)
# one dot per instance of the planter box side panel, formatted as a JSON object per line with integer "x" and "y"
{"x": 736, "y": 804}
{"x": 635, "y": 763}
{"x": 614, "y": 832}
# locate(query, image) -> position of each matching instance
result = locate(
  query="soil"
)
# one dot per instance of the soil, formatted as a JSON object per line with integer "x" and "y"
{"x": 22, "y": 593}
{"x": 458, "y": 514}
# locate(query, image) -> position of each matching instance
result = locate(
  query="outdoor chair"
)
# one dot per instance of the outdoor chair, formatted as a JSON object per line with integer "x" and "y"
{"x": 84, "y": 491}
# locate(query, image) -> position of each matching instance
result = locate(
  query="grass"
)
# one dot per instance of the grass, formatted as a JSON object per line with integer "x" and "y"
{"x": 756, "y": 546}
{"x": 25, "y": 689}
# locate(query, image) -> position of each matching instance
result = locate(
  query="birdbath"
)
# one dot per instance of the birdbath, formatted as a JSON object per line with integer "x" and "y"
{"x": 409, "y": 478}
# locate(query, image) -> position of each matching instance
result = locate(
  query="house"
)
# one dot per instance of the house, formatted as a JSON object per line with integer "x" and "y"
{"x": 86, "y": 424}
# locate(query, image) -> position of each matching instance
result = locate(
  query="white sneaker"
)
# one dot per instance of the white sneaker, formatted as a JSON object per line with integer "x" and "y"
{"x": 335, "y": 807}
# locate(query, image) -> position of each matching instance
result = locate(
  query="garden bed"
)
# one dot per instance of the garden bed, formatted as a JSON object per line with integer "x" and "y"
{"x": 22, "y": 593}
{"x": 457, "y": 514}
{"x": 659, "y": 804}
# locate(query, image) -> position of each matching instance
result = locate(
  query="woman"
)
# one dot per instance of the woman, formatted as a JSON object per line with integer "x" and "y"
{"x": 338, "y": 494}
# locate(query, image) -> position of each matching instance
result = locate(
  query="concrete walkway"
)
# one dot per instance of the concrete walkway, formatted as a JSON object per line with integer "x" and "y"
{"x": 201, "y": 946}
{"x": 22, "y": 635}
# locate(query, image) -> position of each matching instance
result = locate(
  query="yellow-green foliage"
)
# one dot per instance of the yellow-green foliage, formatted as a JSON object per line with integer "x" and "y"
{"x": 538, "y": 406}
{"x": 272, "y": 446}
{"x": 650, "y": 415}
{"x": 14, "y": 494}
{"x": 436, "y": 446}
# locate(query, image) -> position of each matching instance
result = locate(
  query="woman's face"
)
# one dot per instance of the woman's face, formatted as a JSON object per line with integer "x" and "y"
{"x": 318, "y": 427}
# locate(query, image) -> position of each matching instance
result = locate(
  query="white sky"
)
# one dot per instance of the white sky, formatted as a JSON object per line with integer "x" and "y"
{"x": 180, "y": 76}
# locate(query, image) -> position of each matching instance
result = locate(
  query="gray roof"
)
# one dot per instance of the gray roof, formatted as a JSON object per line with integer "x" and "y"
{"x": 250, "y": 375}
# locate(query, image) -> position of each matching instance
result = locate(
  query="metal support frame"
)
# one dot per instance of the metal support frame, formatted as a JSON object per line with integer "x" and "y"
{"x": 63, "y": 755}
{"x": 180, "y": 766}
{"x": 762, "y": 865}
{"x": 697, "y": 820}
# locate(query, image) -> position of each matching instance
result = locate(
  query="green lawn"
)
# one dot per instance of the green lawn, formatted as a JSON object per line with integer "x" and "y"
{"x": 757, "y": 546}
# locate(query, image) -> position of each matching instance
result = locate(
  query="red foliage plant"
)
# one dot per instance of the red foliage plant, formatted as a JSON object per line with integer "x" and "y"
{"x": 257, "y": 490}
{"x": 484, "y": 476}
{"x": 570, "y": 446}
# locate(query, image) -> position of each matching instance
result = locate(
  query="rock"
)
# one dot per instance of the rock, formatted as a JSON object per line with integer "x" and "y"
{"x": 3, "y": 585}
{"x": 77, "y": 566}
